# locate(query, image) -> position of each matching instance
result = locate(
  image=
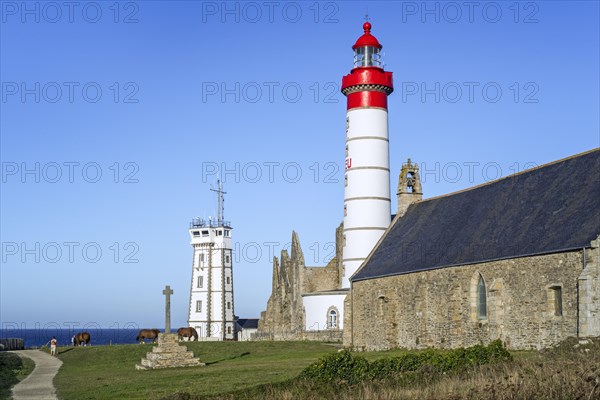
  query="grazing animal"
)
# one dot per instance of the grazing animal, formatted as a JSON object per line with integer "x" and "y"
{"x": 147, "y": 334}
{"x": 81, "y": 338}
{"x": 189, "y": 333}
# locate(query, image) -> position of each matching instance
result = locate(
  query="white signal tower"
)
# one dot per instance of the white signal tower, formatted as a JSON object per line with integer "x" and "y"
{"x": 211, "y": 308}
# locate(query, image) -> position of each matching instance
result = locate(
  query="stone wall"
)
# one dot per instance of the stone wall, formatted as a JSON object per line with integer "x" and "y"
{"x": 329, "y": 335}
{"x": 316, "y": 279}
{"x": 437, "y": 308}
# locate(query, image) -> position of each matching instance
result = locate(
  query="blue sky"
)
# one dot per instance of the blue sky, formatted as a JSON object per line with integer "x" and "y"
{"x": 114, "y": 119}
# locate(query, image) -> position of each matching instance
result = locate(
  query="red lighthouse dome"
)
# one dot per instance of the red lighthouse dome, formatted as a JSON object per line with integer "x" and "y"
{"x": 367, "y": 39}
{"x": 367, "y": 49}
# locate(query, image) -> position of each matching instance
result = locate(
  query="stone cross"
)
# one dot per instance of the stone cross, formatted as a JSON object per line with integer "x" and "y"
{"x": 167, "y": 292}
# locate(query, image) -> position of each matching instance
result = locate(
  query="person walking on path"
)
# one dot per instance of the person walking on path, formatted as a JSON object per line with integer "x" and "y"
{"x": 53, "y": 346}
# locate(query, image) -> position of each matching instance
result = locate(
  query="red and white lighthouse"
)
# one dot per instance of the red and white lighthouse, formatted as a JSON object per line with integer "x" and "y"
{"x": 367, "y": 202}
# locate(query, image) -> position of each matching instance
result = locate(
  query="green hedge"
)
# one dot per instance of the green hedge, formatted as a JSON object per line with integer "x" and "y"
{"x": 347, "y": 368}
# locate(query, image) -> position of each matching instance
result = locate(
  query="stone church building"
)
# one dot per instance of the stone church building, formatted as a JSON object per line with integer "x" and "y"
{"x": 515, "y": 259}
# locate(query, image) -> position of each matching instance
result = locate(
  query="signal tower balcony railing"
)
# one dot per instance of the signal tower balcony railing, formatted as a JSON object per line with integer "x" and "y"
{"x": 211, "y": 223}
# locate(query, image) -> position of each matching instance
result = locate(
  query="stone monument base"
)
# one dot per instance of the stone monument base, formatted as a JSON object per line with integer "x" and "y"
{"x": 169, "y": 354}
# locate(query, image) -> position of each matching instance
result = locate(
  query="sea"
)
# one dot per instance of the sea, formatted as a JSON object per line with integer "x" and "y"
{"x": 35, "y": 338}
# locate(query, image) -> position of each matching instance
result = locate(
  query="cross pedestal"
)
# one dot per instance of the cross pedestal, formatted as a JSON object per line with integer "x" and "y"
{"x": 169, "y": 353}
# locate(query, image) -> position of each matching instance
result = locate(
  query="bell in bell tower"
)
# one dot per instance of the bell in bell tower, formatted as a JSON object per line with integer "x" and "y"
{"x": 409, "y": 187}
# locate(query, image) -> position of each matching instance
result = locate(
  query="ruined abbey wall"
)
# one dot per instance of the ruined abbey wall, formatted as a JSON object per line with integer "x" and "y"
{"x": 284, "y": 317}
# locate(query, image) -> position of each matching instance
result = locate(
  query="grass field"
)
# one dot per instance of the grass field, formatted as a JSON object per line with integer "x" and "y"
{"x": 108, "y": 372}
{"x": 269, "y": 371}
{"x": 13, "y": 369}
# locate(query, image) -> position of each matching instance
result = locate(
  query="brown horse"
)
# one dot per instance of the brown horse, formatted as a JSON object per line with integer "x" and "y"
{"x": 147, "y": 334}
{"x": 81, "y": 338}
{"x": 189, "y": 333}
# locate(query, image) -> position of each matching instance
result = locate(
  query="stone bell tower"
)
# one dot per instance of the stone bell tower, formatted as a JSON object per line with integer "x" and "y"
{"x": 409, "y": 187}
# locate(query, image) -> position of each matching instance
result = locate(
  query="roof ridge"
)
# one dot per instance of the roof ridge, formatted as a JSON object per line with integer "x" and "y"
{"x": 529, "y": 170}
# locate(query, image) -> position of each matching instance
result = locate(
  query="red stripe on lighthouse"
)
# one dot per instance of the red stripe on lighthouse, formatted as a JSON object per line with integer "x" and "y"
{"x": 367, "y": 99}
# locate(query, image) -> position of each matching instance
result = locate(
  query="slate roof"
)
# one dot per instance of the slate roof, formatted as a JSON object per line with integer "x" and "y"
{"x": 551, "y": 208}
{"x": 247, "y": 323}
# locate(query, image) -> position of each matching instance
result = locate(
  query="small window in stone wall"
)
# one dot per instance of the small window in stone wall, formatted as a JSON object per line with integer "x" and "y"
{"x": 228, "y": 330}
{"x": 555, "y": 300}
{"x": 481, "y": 299}
{"x": 228, "y": 280}
{"x": 199, "y": 306}
{"x": 200, "y": 281}
{"x": 380, "y": 306}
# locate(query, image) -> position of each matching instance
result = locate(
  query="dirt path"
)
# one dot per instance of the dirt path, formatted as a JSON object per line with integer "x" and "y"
{"x": 38, "y": 385}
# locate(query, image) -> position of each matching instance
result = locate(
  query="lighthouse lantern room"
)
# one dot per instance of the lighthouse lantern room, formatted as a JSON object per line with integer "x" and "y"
{"x": 367, "y": 50}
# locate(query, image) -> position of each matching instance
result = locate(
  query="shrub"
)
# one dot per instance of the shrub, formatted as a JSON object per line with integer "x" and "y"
{"x": 338, "y": 367}
{"x": 344, "y": 367}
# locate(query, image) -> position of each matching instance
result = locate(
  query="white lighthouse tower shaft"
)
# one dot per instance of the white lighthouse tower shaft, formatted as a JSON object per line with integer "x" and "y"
{"x": 211, "y": 308}
{"x": 367, "y": 203}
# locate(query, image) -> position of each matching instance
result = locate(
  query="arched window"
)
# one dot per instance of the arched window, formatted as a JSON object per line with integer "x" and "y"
{"x": 410, "y": 182}
{"x": 481, "y": 299}
{"x": 332, "y": 318}
{"x": 381, "y": 306}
